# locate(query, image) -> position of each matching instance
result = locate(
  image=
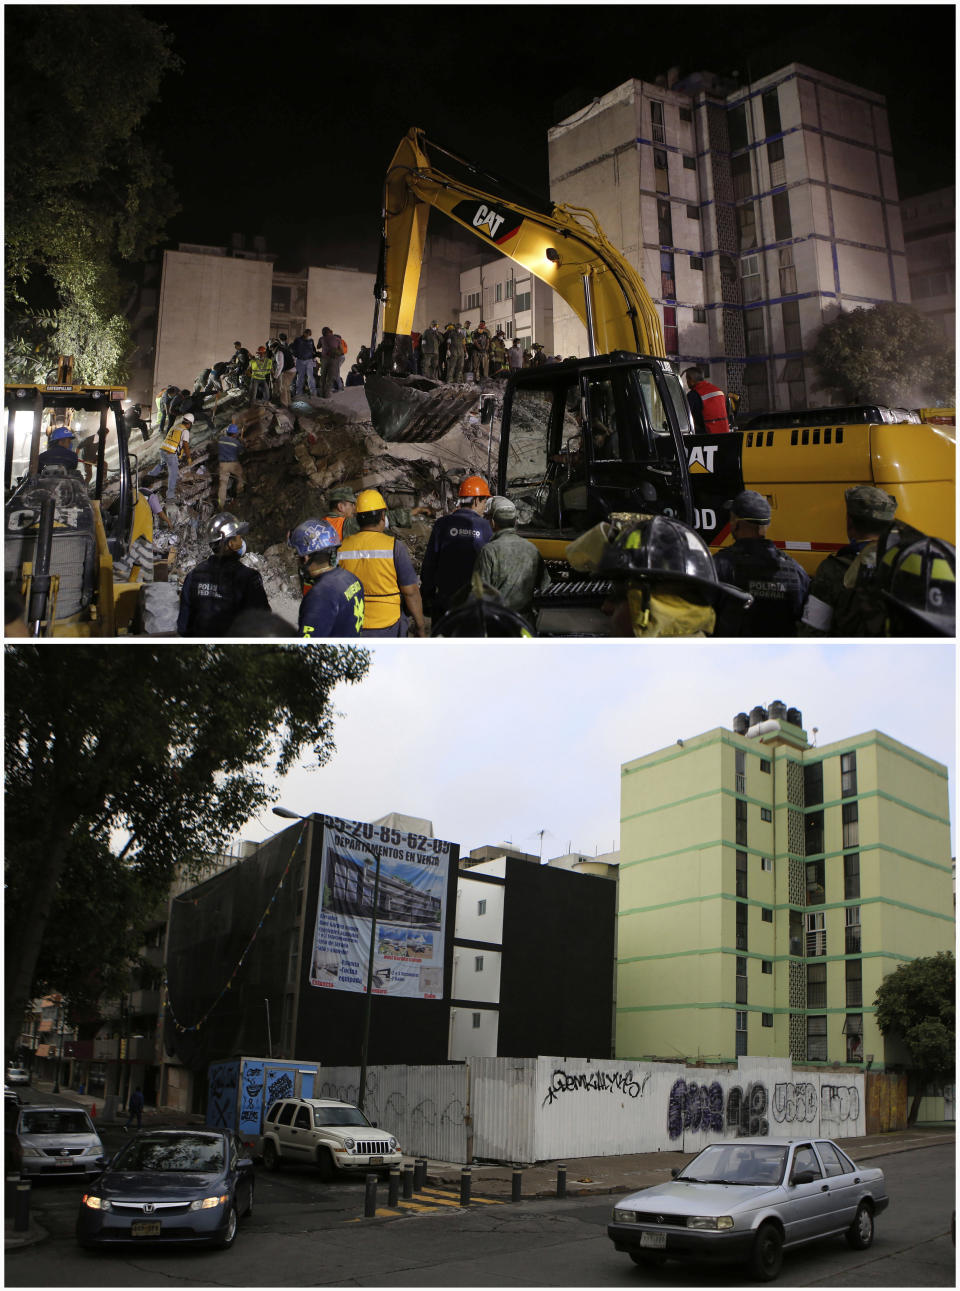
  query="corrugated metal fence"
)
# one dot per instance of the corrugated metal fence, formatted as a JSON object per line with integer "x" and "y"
{"x": 425, "y": 1107}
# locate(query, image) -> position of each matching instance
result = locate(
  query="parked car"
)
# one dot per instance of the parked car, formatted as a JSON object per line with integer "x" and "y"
{"x": 18, "y": 1076}
{"x": 170, "y": 1186}
{"x": 54, "y": 1140}
{"x": 11, "y": 1097}
{"x": 750, "y": 1200}
{"x": 329, "y": 1134}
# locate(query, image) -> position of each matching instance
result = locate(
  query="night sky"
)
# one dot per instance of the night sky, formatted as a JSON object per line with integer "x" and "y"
{"x": 286, "y": 116}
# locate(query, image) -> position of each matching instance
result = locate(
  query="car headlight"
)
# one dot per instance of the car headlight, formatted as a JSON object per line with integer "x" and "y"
{"x": 712, "y": 1222}
{"x": 93, "y": 1202}
{"x": 394, "y": 1145}
{"x": 349, "y": 1144}
{"x": 28, "y": 1151}
{"x": 208, "y": 1203}
{"x": 624, "y": 1216}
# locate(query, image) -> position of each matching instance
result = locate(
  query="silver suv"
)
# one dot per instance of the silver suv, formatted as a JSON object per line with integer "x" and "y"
{"x": 56, "y": 1140}
{"x": 329, "y": 1134}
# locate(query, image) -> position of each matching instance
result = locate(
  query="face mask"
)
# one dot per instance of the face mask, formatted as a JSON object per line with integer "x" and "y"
{"x": 243, "y": 548}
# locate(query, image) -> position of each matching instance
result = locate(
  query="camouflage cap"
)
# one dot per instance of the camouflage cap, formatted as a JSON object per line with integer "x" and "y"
{"x": 864, "y": 502}
{"x": 341, "y": 494}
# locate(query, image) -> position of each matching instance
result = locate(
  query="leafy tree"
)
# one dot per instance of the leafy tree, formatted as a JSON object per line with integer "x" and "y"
{"x": 84, "y": 192}
{"x": 890, "y": 354}
{"x": 917, "y": 1005}
{"x": 124, "y": 765}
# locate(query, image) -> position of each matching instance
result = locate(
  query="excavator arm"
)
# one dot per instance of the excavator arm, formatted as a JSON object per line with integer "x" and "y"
{"x": 563, "y": 247}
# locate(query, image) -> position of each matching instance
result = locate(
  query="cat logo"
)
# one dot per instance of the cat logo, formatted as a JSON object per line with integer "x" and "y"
{"x": 701, "y": 459}
{"x": 485, "y": 215}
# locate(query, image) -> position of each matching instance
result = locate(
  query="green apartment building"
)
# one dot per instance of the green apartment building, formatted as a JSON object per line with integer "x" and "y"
{"x": 767, "y": 886}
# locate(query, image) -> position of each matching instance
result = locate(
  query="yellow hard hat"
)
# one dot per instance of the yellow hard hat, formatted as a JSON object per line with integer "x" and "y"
{"x": 370, "y": 500}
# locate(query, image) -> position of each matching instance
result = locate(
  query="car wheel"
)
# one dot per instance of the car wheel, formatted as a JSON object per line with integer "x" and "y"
{"x": 271, "y": 1158}
{"x": 327, "y": 1169}
{"x": 766, "y": 1259}
{"x": 652, "y": 1259}
{"x": 248, "y": 1211}
{"x": 227, "y": 1239}
{"x": 860, "y": 1232}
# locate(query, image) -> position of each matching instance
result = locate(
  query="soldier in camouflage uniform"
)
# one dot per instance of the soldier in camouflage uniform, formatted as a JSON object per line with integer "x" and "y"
{"x": 498, "y": 353}
{"x": 481, "y": 351}
{"x": 430, "y": 350}
{"x": 844, "y": 598}
{"x": 456, "y": 353}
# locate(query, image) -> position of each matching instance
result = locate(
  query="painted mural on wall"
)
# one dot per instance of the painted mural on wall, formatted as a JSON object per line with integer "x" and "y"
{"x": 222, "y": 1094}
{"x": 410, "y": 914}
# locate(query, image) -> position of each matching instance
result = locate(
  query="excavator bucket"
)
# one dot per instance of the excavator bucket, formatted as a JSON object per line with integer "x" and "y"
{"x": 417, "y": 409}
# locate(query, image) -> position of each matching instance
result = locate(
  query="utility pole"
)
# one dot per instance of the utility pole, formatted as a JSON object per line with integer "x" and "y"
{"x": 365, "y": 1043}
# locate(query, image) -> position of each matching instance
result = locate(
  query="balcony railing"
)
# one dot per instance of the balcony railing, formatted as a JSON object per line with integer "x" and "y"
{"x": 851, "y": 941}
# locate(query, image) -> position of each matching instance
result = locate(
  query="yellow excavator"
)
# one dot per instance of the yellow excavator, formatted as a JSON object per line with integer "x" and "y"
{"x": 69, "y": 552}
{"x": 612, "y": 432}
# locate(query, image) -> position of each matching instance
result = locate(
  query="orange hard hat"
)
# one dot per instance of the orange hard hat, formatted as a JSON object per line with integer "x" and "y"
{"x": 474, "y": 487}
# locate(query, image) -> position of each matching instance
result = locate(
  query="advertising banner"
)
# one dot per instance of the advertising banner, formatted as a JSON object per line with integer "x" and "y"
{"x": 377, "y": 878}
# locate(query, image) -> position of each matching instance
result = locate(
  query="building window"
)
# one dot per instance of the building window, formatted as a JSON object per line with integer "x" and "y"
{"x": 775, "y": 160}
{"x": 737, "y": 126}
{"x": 741, "y": 823}
{"x": 741, "y": 874}
{"x": 741, "y": 1036}
{"x": 851, "y": 876}
{"x": 851, "y": 934}
{"x": 754, "y": 334}
{"x": 765, "y": 765}
{"x": 813, "y": 833}
{"x": 699, "y": 314}
{"x": 665, "y": 224}
{"x": 746, "y": 226}
{"x": 498, "y": 292}
{"x": 816, "y": 888}
{"x": 816, "y": 935}
{"x": 854, "y": 983}
{"x": 848, "y": 775}
{"x": 771, "y": 113}
{"x": 766, "y": 863}
{"x": 741, "y": 926}
{"x": 693, "y": 212}
{"x": 766, "y": 966}
{"x": 817, "y": 1039}
{"x": 509, "y": 329}
{"x": 689, "y": 163}
{"x": 750, "y": 284}
{"x": 853, "y": 1030}
{"x": 656, "y": 120}
{"x": 792, "y": 338}
{"x": 661, "y": 177}
{"x": 741, "y": 979}
{"x": 482, "y": 906}
{"x": 476, "y": 1021}
{"x": 851, "y": 825}
{"x": 740, "y": 769}
{"x": 813, "y": 784}
{"x": 472, "y": 300}
{"x": 508, "y": 294}
{"x": 667, "y": 286}
{"x": 522, "y": 302}
{"x": 782, "y": 226}
{"x": 766, "y": 813}
{"x": 766, "y": 915}
{"x": 478, "y": 964}
{"x": 670, "y": 331}
{"x": 788, "y": 272}
{"x": 766, "y": 1019}
{"x": 686, "y": 114}
{"x": 696, "y": 262}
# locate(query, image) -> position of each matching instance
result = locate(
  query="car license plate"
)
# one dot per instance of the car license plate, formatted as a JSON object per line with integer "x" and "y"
{"x": 67, "y": 1161}
{"x": 374, "y": 1160}
{"x": 654, "y": 1241}
{"x": 146, "y": 1228}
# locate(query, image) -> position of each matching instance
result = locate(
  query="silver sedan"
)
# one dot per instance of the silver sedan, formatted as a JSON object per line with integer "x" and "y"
{"x": 750, "y": 1200}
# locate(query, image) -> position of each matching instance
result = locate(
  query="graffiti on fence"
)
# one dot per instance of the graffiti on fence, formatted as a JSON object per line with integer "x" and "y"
{"x": 602, "y": 1082}
{"x": 698, "y": 1107}
{"x": 839, "y": 1103}
{"x": 795, "y": 1102}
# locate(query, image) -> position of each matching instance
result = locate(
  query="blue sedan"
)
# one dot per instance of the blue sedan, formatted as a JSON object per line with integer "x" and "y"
{"x": 170, "y": 1186}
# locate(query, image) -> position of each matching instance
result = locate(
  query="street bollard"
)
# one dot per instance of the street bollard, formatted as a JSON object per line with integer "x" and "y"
{"x": 419, "y": 1173}
{"x": 370, "y": 1197}
{"x": 465, "y": 1177}
{"x": 408, "y": 1180}
{"x": 561, "y": 1180}
{"x": 393, "y": 1193}
{"x": 21, "y": 1215}
{"x": 10, "y": 1196}
{"x": 517, "y": 1183}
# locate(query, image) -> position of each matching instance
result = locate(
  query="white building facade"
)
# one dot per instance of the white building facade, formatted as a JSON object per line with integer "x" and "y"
{"x": 930, "y": 234}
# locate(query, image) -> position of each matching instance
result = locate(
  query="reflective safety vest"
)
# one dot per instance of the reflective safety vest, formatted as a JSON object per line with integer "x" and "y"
{"x": 171, "y": 442}
{"x": 714, "y": 408}
{"x": 336, "y": 522}
{"x": 261, "y": 369}
{"x": 369, "y": 555}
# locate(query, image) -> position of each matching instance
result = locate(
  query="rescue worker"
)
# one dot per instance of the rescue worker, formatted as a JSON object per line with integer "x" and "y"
{"x": 430, "y": 350}
{"x": 383, "y": 565}
{"x": 60, "y": 452}
{"x": 482, "y": 614}
{"x": 133, "y": 416}
{"x": 920, "y": 588}
{"x": 708, "y": 404}
{"x": 843, "y": 598}
{"x": 332, "y": 350}
{"x": 261, "y": 371}
{"x": 456, "y": 353}
{"x": 776, "y": 582}
{"x": 498, "y": 352}
{"x": 539, "y": 357}
{"x": 511, "y": 565}
{"x": 304, "y": 351}
{"x": 342, "y": 511}
{"x": 176, "y": 445}
{"x": 480, "y": 345}
{"x": 239, "y": 362}
{"x": 221, "y": 587}
{"x": 666, "y": 582}
{"x": 228, "y": 455}
{"x": 164, "y": 400}
{"x": 453, "y": 545}
{"x": 515, "y": 355}
{"x": 332, "y": 604}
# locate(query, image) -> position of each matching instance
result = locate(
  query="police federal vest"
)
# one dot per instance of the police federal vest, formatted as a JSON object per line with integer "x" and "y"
{"x": 714, "y": 408}
{"x": 369, "y": 555}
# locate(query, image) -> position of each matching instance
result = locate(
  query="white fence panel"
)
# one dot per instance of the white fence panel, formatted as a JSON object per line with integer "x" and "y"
{"x": 502, "y": 1097}
{"x": 600, "y": 1107}
{"x": 426, "y": 1107}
